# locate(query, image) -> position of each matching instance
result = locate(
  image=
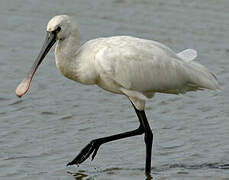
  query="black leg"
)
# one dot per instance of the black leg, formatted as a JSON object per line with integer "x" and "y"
{"x": 148, "y": 138}
{"x": 94, "y": 145}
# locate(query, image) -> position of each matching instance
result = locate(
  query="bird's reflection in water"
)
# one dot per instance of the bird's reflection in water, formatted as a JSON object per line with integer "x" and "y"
{"x": 81, "y": 175}
{"x": 148, "y": 177}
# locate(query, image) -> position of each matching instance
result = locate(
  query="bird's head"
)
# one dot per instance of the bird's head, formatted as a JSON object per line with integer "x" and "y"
{"x": 59, "y": 28}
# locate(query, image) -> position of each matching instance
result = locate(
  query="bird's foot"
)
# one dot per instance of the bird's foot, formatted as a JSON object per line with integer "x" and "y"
{"x": 92, "y": 147}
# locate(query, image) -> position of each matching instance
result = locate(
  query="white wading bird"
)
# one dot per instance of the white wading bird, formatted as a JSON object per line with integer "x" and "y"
{"x": 136, "y": 68}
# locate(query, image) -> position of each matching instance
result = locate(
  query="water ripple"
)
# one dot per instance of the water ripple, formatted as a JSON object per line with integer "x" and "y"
{"x": 199, "y": 166}
{"x": 81, "y": 174}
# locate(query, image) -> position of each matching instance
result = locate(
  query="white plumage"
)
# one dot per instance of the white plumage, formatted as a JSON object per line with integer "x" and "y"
{"x": 134, "y": 67}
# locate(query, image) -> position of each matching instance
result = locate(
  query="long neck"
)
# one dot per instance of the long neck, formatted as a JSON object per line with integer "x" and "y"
{"x": 65, "y": 55}
{"x": 69, "y": 45}
{"x": 76, "y": 64}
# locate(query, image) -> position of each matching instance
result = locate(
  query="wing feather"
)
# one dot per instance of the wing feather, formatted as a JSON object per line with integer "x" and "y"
{"x": 140, "y": 65}
{"x": 147, "y": 67}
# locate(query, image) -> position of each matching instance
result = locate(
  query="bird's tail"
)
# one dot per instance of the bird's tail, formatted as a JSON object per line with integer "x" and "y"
{"x": 200, "y": 77}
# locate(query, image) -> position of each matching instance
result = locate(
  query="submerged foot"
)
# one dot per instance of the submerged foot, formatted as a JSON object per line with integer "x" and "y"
{"x": 92, "y": 147}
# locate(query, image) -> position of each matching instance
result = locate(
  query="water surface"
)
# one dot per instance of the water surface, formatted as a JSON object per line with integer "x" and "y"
{"x": 45, "y": 129}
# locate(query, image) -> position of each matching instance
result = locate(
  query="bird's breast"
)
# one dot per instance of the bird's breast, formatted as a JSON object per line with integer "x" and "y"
{"x": 66, "y": 67}
{"x": 78, "y": 68}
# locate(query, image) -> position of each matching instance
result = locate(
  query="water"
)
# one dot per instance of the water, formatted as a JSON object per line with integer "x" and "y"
{"x": 43, "y": 131}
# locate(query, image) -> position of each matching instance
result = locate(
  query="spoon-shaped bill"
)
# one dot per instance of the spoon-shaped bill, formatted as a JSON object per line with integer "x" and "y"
{"x": 25, "y": 83}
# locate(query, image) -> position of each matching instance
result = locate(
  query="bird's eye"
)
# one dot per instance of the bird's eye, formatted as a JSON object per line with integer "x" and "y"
{"x": 58, "y": 29}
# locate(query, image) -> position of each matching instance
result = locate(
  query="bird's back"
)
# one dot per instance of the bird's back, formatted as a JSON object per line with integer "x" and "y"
{"x": 147, "y": 66}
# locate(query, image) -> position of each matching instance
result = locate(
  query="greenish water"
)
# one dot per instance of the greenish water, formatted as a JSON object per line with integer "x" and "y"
{"x": 44, "y": 130}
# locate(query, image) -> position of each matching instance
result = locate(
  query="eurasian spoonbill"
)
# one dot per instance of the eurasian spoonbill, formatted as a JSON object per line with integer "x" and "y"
{"x": 134, "y": 67}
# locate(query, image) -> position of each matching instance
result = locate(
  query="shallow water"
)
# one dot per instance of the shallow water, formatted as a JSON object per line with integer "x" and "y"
{"x": 45, "y": 129}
